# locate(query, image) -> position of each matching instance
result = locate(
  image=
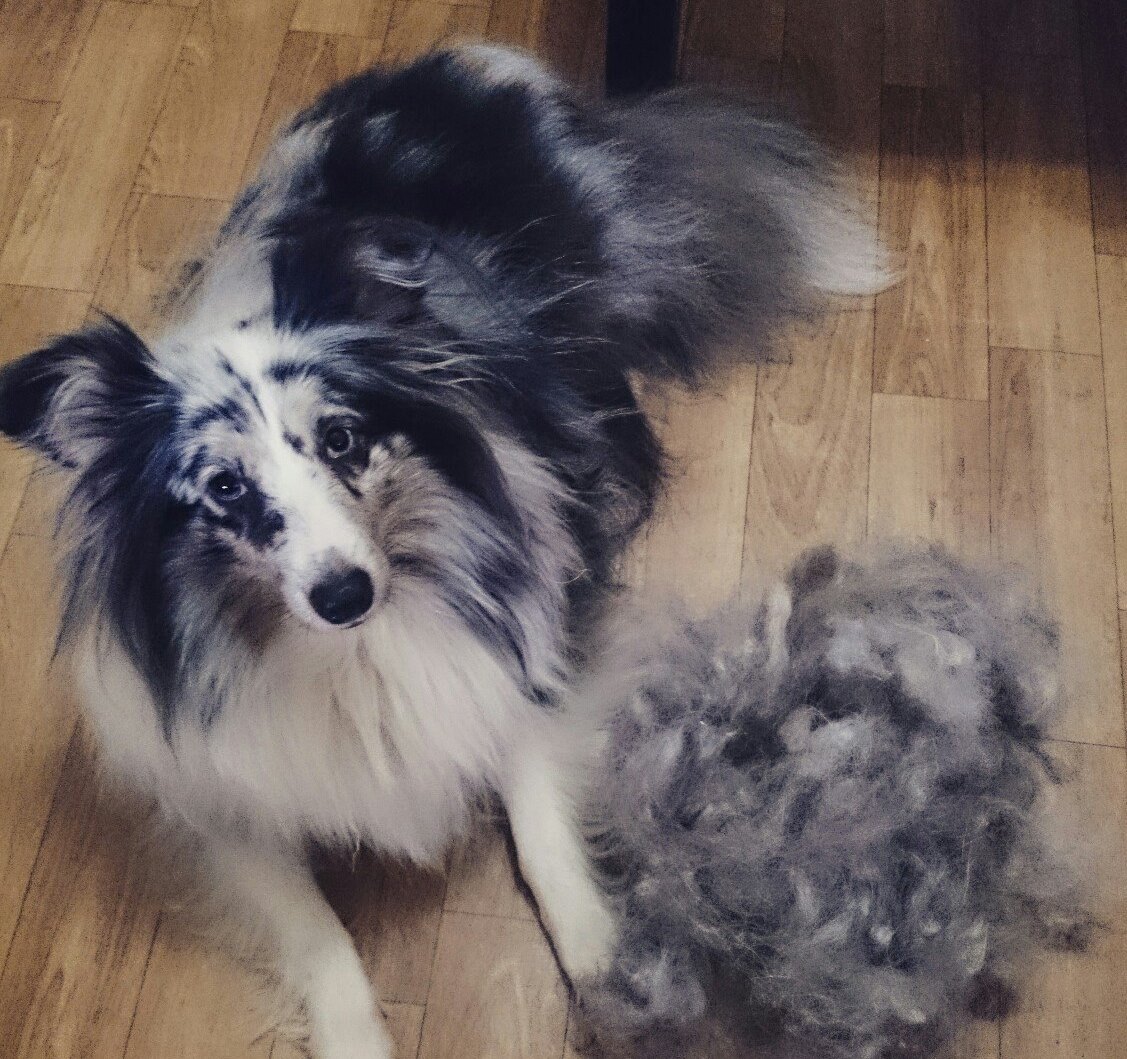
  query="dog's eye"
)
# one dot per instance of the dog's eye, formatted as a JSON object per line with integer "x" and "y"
{"x": 225, "y": 487}
{"x": 338, "y": 441}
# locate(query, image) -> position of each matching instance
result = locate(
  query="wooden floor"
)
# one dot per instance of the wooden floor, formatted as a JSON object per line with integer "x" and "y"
{"x": 982, "y": 402}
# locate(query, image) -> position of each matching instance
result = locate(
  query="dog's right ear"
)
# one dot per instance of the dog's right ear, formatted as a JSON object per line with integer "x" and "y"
{"x": 69, "y": 398}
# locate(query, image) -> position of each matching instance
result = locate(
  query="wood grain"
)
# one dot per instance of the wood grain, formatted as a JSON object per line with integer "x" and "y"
{"x": 1112, "y": 272}
{"x": 23, "y": 133}
{"x": 764, "y": 466}
{"x": 1038, "y": 210}
{"x": 157, "y": 235}
{"x": 482, "y": 879}
{"x": 40, "y": 44}
{"x": 1074, "y": 1007}
{"x": 1105, "y": 44}
{"x": 519, "y": 22}
{"x": 929, "y": 472}
{"x": 496, "y": 992}
{"x": 932, "y": 43}
{"x": 39, "y": 716}
{"x": 733, "y": 29}
{"x": 394, "y": 913}
{"x": 832, "y": 57}
{"x": 808, "y": 478}
{"x": 1044, "y": 28}
{"x": 201, "y": 140}
{"x": 931, "y": 333}
{"x": 308, "y": 64}
{"x": 359, "y": 18}
{"x": 183, "y": 979}
{"x": 80, "y": 186}
{"x": 405, "y": 1021}
{"x": 1092, "y": 805}
{"x": 30, "y": 315}
{"x": 564, "y": 35}
{"x": 694, "y": 548}
{"x": 1051, "y": 510}
{"x": 73, "y": 974}
{"x": 418, "y": 25}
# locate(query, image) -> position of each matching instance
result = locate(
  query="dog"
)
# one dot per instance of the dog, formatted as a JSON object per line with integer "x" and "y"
{"x": 339, "y": 537}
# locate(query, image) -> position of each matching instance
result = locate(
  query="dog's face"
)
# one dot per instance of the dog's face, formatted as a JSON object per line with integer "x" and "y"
{"x": 296, "y": 486}
{"x": 282, "y": 474}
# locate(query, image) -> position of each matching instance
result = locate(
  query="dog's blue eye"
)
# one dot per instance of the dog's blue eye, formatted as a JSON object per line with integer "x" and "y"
{"x": 225, "y": 487}
{"x": 338, "y": 441}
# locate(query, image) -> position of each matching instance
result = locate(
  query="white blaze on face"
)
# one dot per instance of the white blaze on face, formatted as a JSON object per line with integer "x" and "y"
{"x": 323, "y": 559}
{"x": 322, "y": 540}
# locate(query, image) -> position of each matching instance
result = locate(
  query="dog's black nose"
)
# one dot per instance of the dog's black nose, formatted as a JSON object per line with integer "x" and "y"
{"x": 342, "y": 596}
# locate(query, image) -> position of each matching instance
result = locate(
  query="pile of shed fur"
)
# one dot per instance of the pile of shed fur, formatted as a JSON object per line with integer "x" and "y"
{"x": 834, "y": 800}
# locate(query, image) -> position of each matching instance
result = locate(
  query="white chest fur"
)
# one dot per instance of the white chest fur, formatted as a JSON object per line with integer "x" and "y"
{"x": 386, "y": 736}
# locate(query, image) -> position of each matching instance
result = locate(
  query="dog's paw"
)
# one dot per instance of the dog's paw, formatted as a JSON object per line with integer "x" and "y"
{"x": 587, "y": 942}
{"x": 359, "y": 1036}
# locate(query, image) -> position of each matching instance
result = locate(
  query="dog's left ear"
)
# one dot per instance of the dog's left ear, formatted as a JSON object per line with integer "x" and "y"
{"x": 73, "y": 396}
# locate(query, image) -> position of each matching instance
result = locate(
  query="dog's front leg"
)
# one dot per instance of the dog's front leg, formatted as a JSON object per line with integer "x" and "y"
{"x": 315, "y": 955}
{"x": 540, "y": 799}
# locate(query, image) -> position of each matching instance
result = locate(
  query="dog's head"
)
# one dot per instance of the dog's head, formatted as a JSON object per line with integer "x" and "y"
{"x": 267, "y": 475}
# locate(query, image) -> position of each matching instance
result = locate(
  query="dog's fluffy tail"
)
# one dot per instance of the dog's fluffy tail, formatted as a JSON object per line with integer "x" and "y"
{"x": 741, "y": 223}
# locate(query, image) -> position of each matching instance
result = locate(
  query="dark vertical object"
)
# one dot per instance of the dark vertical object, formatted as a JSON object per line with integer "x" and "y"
{"x": 641, "y": 44}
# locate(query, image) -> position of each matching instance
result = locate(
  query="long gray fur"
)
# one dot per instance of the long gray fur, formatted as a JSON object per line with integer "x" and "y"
{"x": 834, "y": 799}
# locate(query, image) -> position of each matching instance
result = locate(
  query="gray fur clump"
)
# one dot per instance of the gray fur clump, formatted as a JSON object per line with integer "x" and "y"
{"x": 834, "y": 801}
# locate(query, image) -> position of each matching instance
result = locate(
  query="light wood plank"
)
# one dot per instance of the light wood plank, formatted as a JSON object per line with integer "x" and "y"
{"x": 730, "y": 45}
{"x": 40, "y": 43}
{"x": 196, "y": 1003}
{"x": 1074, "y": 1007}
{"x": 482, "y": 880}
{"x": 1092, "y": 808}
{"x": 1034, "y": 27}
{"x": 809, "y": 463}
{"x": 519, "y": 22}
{"x": 733, "y": 29}
{"x": 74, "y": 969}
{"x": 76, "y": 195}
{"x": 694, "y": 548}
{"x": 929, "y": 472}
{"x": 284, "y": 1048}
{"x": 200, "y": 144}
{"x": 309, "y": 64}
{"x": 358, "y": 18}
{"x": 1105, "y": 71}
{"x": 593, "y": 68}
{"x": 404, "y": 1022}
{"x": 1112, "y": 272}
{"x": 832, "y": 55}
{"x": 39, "y": 715}
{"x": 932, "y": 43}
{"x": 760, "y": 79}
{"x": 1051, "y": 511}
{"x": 563, "y": 38}
{"x": 23, "y": 132}
{"x": 156, "y": 237}
{"x": 810, "y": 446}
{"x": 978, "y": 1040}
{"x": 30, "y": 316}
{"x": 1038, "y": 210}
{"x": 497, "y": 992}
{"x": 931, "y": 336}
{"x": 393, "y": 912}
{"x": 417, "y": 26}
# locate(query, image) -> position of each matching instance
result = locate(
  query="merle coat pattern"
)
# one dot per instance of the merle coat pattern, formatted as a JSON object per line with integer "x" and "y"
{"x": 335, "y": 536}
